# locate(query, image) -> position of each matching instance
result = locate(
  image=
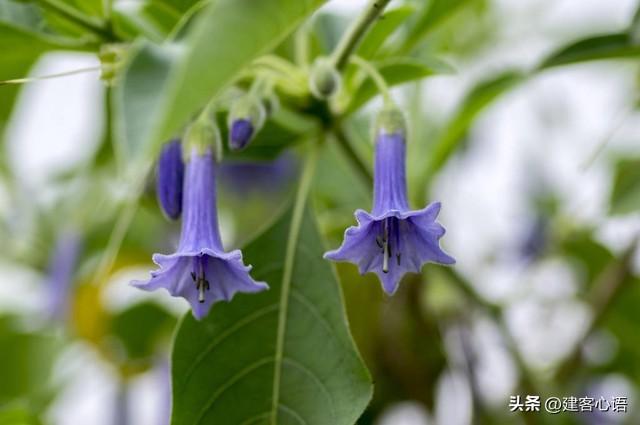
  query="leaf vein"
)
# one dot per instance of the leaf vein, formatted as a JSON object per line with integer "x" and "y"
{"x": 230, "y": 331}
{"x": 293, "y": 413}
{"x": 296, "y": 364}
{"x": 232, "y": 381}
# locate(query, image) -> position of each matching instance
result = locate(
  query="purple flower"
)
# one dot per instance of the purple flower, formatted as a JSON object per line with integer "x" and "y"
{"x": 62, "y": 265}
{"x": 200, "y": 271}
{"x": 169, "y": 181}
{"x": 240, "y": 134}
{"x": 393, "y": 239}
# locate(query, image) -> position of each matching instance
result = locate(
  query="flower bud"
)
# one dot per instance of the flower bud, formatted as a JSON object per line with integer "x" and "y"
{"x": 169, "y": 179}
{"x": 111, "y": 62}
{"x": 245, "y": 120}
{"x": 324, "y": 80}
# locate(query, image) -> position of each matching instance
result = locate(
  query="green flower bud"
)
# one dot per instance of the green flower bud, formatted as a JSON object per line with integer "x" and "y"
{"x": 325, "y": 79}
{"x": 245, "y": 119}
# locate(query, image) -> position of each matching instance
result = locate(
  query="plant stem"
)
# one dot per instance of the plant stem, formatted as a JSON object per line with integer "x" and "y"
{"x": 362, "y": 169}
{"x": 527, "y": 381}
{"x": 606, "y": 290}
{"x": 46, "y": 77}
{"x": 377, "y": 78}
{"x": 72, "y": 15}
{"x": 351, "y": 39}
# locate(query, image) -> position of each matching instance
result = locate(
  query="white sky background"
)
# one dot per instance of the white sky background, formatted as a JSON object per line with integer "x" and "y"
{"x": 57, "y": 123}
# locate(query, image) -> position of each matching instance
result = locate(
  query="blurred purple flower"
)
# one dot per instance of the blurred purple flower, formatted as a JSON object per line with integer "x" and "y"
{"x": 535, "y": 240}
{"x": 393, "y": 239}
{"x": 240, "y": 134}
{"x": 200, "y": 271}
{"x": 169, "y": 180}
{"x": 244, "y": 177}
{"x": 62, "y": 265}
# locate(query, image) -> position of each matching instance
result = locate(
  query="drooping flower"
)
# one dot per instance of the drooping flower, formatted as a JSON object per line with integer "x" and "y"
{"x": 169, "y": 179}
{"x": 393, "y": 239}
{"x": 62, "y": 265}
{"x": 200, "y": 270}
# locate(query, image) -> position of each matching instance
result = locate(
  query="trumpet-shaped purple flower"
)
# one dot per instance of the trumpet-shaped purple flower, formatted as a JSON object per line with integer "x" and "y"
{"x": 393, "y": 239}
{"x": 200, "y": 271}
{"x": 169, "y": 181}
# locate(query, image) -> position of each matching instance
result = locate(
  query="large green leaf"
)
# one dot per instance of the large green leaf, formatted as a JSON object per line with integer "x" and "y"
{"x": 226, "y": 38}
{"x": 284, "y": 356}
{"x": 625, "y": 197}
{"x": 608, "y": 46}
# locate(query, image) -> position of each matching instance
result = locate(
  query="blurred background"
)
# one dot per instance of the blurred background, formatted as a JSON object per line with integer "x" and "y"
{"x": 540, "y": 194}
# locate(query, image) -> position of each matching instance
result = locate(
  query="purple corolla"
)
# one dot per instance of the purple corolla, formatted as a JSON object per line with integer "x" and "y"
{"x": 200, "y": 270}
{"x": 393, "y": 239}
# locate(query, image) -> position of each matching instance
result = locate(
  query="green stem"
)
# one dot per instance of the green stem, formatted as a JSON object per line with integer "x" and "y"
{"x": 72, "y": 15}
{"x": 361, "y": 167}
{"x": 294, "y": 231}
{"x": 527, "y": 381}
{"x": 116, "y": 238}
{"x": 46, "y": 77}
{"x": 351, "y": 39}
{"x": 606, "y": 290}
{"x": 377, "y": 78}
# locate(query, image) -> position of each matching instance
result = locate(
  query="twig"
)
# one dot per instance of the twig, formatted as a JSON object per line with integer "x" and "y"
{"x": 351, "y": 39}
{"x": 606, "y": 290}
{"x": 50, "y": 76}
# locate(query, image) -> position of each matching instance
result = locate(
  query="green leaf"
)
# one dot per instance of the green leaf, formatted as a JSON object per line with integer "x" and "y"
{"x": 382, "y": 30}
{"x": 584, "y": 251}
{"x": 154, "y": 19}
{"x": 625, "y": 197}
{"x": 179, "y": 6}
{"x": 26, "y": 361}
{"x": 88, "y": 7}
{"x": 433, "y": 14}
{"x": 475, "y": 102}
{"x": 608, "y": 46}
{"x": 17, "y": 413}
{"x": 136, "y": 100}
{"x": 140, "y": 328}
{"x": 287, "y": 347}
{"x": 396, "y": 72}
{"x": 226, "y": 38}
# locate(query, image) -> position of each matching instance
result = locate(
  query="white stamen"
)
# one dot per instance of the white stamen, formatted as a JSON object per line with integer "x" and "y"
{"x": 385, "y": 258}
{"x": 201, "y": 292}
